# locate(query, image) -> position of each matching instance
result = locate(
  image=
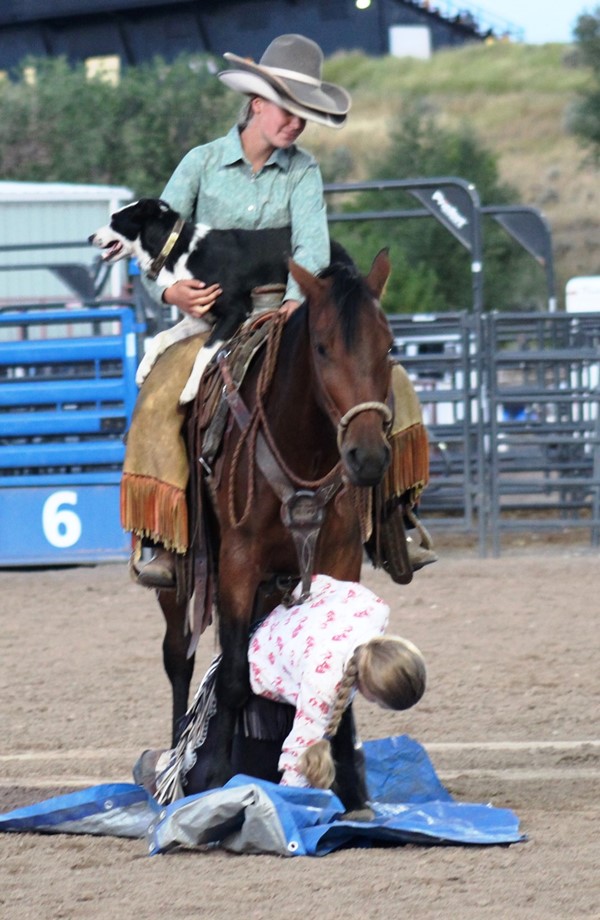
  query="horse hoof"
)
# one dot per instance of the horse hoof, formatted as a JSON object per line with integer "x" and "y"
{"x": 144, "y": 770}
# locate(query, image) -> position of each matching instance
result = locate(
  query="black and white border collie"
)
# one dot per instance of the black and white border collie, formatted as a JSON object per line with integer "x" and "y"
{"x": 170, "y": 249}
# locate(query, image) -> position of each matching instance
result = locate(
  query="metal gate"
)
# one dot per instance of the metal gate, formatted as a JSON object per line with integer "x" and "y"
{"x": 437, "y": 353}
{"x": 544, "y": 406}
{"x": 67, "y": 391}
{"x": 512, "y": 406}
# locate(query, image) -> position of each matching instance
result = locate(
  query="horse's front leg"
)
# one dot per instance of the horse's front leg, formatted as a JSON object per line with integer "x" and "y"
{"x": 178, "y": 666}
{"x": 232, "y": 692}
{"x": 350, "y": 784}
{"x": 237, "y": 592}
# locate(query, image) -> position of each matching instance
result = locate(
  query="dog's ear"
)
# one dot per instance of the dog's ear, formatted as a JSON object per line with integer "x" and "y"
{"x": 148, "y": 206}
{"x": 149, "y": 209}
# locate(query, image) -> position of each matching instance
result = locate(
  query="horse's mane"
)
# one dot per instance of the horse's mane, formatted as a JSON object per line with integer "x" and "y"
{"x": 349, "y": 290}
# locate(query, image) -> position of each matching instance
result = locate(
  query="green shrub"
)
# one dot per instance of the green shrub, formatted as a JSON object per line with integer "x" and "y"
{"x": 64, "y": 127}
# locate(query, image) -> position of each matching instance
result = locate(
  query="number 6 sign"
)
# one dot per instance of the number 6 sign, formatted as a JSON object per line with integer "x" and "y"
{"x": 62, "y": 527}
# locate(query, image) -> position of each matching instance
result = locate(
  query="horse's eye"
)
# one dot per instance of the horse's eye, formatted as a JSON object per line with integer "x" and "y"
{"x": 321, "y": 350}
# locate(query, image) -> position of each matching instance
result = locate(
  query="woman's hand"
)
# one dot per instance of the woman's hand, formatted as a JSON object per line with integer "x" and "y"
{"x": 192, "y": 296}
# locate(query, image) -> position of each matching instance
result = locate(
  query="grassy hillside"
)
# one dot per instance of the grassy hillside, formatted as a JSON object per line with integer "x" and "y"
{"x": 516, "y": 98}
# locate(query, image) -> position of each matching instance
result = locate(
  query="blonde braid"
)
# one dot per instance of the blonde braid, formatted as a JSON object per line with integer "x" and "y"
{"x": 316, "y": 761}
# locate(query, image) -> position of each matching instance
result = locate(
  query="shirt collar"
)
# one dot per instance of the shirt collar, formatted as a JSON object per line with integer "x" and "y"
{"x": 234, "y": 152}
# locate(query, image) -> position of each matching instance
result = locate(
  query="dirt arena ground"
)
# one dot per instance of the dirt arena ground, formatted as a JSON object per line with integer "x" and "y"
{"x": 511, "y": 717}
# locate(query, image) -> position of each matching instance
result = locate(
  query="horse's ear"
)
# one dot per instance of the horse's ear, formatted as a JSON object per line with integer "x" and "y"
{"x": 310, "y": 285}
{"x": 380, "y": 272}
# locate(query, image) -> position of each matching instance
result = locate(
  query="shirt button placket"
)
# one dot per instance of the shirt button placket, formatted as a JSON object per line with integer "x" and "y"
{"x": 252, "y": 208}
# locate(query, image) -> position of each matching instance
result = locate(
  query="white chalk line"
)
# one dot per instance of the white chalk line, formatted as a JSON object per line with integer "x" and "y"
{"x": 558, "y": 774}
{"x": 60, "y": 782}
{"x": 516, "y": 775}
{"x": 70, "y": 754}
{"x": 434, "y": 747}
{"x": 510, "y": 774}
{"x": 511, "y": 745}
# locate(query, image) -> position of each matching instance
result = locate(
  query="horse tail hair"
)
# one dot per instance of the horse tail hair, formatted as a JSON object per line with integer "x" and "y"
{"x": 316, "y": 761}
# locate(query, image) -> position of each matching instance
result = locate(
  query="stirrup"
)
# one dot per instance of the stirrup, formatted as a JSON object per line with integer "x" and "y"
{"x": 426, "y": 539}
{"x": 422, "y": 553}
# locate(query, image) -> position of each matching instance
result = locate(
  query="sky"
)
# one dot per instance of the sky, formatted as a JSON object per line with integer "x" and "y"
{"x": 542, "y": 20}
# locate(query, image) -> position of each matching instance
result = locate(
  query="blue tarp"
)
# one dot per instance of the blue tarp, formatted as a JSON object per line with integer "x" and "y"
{"x": 252, "y": 816}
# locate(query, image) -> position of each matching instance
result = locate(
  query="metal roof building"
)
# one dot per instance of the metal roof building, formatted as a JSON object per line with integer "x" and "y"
{"x": 137, "y": 30}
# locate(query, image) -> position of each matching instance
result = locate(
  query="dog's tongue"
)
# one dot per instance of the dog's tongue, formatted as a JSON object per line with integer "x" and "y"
{"x": 112, "y": 250}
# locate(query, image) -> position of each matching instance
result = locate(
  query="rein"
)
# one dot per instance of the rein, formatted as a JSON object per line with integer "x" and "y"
{"x": 159, "y": 261}
{"x": 256, "y": 430}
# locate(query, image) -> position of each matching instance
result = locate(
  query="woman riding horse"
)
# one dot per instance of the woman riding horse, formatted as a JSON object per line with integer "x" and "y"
{"x": 255, "y": 177}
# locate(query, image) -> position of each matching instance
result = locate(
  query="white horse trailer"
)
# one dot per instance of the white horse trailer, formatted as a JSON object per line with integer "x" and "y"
{"x": 582, "y": 294}
{"x": 44, "y": 253}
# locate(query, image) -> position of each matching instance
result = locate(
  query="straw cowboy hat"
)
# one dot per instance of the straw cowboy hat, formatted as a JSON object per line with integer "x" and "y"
{"x": 289, "y": 74}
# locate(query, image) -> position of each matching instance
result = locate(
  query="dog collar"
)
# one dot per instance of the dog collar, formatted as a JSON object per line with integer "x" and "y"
{"x": 161, "y": 258}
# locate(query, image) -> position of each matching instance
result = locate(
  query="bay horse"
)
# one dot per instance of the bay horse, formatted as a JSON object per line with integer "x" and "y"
{"x": 314, "y": 421}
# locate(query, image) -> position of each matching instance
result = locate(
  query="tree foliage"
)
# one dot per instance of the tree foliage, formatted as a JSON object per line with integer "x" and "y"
{"x": 431, "y": 270}
{"x": 64, "y": 127}
{"x": 584, "y": 120}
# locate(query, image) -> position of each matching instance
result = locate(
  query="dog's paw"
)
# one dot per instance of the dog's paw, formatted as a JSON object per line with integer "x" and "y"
{"x": 190, "y": 390}
{"x": 154, "y": 350}
{"x": 146, "y": 365}
{"x": 144, "y": 368}
{"x": 188, "y": 394}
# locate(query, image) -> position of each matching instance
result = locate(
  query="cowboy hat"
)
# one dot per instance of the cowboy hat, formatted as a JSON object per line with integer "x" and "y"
{"x": 289, "y": 74}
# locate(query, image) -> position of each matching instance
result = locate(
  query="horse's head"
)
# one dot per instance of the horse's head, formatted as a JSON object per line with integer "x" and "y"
{"x": 350, "y": 342}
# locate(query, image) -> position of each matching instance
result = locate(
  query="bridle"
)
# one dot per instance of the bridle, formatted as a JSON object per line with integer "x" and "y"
{"x": 373, "y": 406}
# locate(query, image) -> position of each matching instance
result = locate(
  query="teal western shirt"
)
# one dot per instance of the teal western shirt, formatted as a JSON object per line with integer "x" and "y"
{"x": 214, "y": 184}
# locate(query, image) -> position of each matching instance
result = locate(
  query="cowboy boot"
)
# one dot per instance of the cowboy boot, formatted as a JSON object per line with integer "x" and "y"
{"x": 158, "y": 571}
{"x": 419, "y": 555}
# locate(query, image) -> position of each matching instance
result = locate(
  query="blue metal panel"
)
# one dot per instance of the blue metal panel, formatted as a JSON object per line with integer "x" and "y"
{"x": 55, "y": 479}
{"x": 70, "y": 421}
{"x": 61, "y": 526}
{"x": 61, "y": 454}
{"x": 66, "y": 399}
{"x": 51, "y": 351}
{"x": 61, "y": 391}
{"x": 60, "y": 316}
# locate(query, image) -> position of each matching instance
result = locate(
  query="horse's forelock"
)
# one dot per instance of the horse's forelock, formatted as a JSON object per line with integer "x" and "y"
{"x": 349, "y": 289}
